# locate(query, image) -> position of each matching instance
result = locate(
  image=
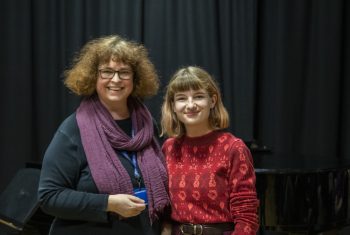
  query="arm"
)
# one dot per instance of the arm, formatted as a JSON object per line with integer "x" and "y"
{"x": 60, "y": 176}
{"x": 243, "y": 198}
{"x": 125, "y": 205}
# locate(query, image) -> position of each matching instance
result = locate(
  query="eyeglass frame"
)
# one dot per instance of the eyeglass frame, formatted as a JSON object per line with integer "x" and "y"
{"x": 116, "y": 72}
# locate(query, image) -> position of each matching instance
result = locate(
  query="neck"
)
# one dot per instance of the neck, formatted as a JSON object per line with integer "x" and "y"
{"x": 196, "y": 132}
{"x": 119, "y": 111}
{"x": 120, "y": 114}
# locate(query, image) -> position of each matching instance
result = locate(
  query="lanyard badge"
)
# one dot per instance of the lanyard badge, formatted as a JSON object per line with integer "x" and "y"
{"x": 138, "y": 192}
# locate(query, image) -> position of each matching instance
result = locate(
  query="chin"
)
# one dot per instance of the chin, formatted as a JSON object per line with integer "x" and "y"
{"x": 192, "y": 123}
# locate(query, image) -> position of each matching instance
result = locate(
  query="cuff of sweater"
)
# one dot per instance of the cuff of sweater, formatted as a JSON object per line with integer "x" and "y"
{"x": 245, "y": 229}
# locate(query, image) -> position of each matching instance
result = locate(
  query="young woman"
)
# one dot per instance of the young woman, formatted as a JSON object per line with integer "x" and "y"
{"x": 103, "y": 171}
{"x": 211, "y": 173}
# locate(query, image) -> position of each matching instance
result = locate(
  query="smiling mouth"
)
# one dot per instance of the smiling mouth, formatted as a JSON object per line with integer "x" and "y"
{"x": 191, "y": 113}
{"x": 115, "y": 88}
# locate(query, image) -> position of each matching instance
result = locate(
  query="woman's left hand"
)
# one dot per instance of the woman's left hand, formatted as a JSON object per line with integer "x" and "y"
{"x": 166, "y": 230}
{"x": 125, "y": 205}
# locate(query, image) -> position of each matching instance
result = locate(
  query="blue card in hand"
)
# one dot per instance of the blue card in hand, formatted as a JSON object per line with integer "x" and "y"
{"x": 141, "y": 193}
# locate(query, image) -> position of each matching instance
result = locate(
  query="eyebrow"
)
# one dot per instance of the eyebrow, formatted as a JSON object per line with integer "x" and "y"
{"x": 126, "y": 67}
{"x": 195, "y": 93}
{"x": 200, "y": 93}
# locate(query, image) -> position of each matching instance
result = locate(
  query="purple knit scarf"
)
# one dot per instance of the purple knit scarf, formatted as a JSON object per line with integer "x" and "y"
{"x": 101, "y": 136}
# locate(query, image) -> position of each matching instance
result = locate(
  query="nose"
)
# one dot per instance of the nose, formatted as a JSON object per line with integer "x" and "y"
{"x": 190, "y": 104}
{"x": 116, "y": 77}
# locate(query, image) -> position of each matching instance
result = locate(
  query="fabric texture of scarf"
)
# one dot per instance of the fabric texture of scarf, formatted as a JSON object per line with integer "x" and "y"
{"x": 101, "y": 137}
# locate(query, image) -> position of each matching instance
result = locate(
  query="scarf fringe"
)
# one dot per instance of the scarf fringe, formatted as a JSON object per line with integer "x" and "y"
{"x": 155, "y": 212}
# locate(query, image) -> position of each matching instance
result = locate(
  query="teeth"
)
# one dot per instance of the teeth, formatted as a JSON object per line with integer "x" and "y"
{"x": 114, "y": 88}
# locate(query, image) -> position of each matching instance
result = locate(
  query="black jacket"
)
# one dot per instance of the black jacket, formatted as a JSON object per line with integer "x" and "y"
{"x": 68, "y": 192}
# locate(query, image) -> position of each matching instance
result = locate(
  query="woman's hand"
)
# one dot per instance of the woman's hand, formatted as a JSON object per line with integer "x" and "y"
{"x": 166, "y": 230}
{"x": 125, "y": 205}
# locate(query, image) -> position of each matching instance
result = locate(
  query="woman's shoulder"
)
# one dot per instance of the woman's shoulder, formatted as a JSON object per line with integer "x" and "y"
{"x": 70, "y": 123}
{"x": 169, "y": 141}
{"x": 172, "y": 143}
{"x": 231, "y": 138}
{"x": 69, "y": 127}
{"x": 170, "y": 146}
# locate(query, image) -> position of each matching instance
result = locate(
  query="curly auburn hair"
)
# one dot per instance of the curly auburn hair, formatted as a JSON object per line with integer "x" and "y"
{"x": 185, "y": 79}
{"x": 81, "y": 78}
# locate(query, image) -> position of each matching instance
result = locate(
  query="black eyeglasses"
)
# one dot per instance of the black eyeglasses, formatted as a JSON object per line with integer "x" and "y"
{"x": 123, "y": 74}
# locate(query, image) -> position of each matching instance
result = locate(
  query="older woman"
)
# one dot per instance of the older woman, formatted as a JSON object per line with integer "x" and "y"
{"x": 103, "y": 171}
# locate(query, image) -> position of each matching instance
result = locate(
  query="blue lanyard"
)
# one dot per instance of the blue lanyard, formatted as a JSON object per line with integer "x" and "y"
{"x": 133, "y": 161}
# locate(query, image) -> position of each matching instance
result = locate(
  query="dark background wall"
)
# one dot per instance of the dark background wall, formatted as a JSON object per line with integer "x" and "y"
{"x": 283, "y": 67}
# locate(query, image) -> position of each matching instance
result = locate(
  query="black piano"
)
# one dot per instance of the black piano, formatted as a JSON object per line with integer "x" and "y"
{"x": 20, "y": 212}
{"x": 302, "y": 194}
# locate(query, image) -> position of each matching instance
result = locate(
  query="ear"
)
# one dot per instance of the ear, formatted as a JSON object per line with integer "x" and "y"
{"x": 214, "y": 99}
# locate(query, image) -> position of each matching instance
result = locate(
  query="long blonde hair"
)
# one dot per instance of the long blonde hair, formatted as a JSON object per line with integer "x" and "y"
{"x": 185, "y": 79}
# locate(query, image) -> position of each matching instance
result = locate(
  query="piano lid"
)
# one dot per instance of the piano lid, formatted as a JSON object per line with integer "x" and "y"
{"x": 302, "y": 196}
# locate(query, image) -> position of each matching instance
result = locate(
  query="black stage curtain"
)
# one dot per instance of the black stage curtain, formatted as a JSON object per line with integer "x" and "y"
{"x": 283, "y": 67}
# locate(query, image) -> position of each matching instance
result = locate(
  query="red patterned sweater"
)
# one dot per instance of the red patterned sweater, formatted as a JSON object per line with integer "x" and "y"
{"x": 212, "y": 180}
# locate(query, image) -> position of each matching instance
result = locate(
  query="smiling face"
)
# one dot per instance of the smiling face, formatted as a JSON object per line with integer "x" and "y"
{"x": 112, "y": 91}
{"x": 192, "y": 108}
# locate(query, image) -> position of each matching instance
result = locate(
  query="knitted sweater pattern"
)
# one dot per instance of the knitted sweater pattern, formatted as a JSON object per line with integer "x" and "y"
{"x": 212, "y": 180}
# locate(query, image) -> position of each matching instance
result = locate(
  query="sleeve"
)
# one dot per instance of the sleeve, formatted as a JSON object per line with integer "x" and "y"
{"x": 59, "y": 178}
{"x": 243, "y": 198}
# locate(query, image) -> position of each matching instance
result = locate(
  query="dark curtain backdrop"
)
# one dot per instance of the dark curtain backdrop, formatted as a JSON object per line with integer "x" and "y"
{"x": 283, "y": 67}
